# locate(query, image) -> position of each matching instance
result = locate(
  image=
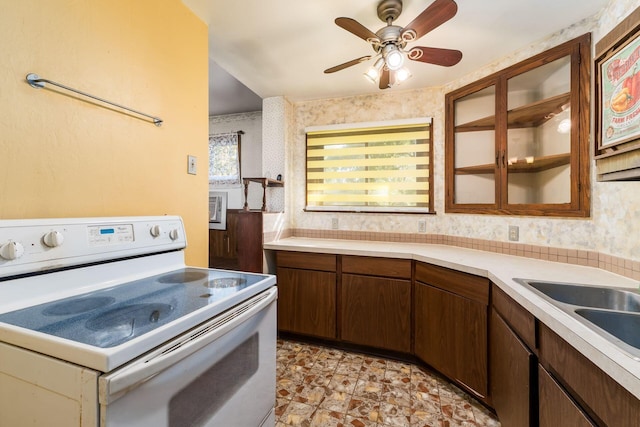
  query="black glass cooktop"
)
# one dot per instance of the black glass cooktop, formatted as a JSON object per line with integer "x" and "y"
{"x": 112, "y": 316}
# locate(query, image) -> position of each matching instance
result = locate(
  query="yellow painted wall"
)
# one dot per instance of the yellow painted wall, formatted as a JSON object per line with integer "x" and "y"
{"x": 64, "y": 157}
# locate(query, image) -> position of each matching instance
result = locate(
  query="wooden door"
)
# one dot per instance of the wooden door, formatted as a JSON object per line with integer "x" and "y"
{"x": 512, "y": 367}
{"x": 307, "y": 302}
{"x": 556, "y": 407}
{"x": 451, "y": 336}
{"x": 376, "y": 312}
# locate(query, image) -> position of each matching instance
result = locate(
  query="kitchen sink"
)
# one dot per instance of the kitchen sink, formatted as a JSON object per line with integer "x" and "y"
{"x": 624, "y": 326}
{"x": 613, "y": 313}
{"x": 590, "y": 296}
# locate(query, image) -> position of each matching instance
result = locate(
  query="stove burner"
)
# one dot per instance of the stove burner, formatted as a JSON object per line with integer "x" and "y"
{"x": 225, "y": 282}
{"x": 130, "y": 316}
{"x": 77, "y": 306}
{"x": 184, "y": 277}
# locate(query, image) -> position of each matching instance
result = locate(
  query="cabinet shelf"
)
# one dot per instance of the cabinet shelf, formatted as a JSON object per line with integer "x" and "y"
{"x": 530, "y": 115}
{"x": 521, "y": 166}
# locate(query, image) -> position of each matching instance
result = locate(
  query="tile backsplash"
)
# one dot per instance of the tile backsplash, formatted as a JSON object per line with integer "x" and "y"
{"x": 618, "y": 265}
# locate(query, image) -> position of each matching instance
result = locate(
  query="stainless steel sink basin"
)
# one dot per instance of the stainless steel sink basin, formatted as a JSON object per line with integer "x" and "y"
{"x": 613, "y": 313}
{"x": 590, "y": 296}
{"x": 624, "y": 326}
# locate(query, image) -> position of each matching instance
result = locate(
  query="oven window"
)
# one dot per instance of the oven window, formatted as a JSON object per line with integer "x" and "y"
{"x": 201, "y": 399}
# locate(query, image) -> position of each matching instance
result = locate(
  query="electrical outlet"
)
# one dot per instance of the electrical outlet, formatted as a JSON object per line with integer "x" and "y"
{"x": 192, "y": 165}
{"x": 334, "y": 223}
{"x": 514, "y": 233}
{"x": 422, "y": 226}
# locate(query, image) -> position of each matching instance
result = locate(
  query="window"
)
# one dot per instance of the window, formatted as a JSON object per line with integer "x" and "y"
{"x": 385, "y": 167}
{"x": 224, "y": 159}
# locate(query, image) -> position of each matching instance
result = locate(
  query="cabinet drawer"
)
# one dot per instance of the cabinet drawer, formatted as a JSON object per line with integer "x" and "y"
{"x": 306, "y": 261}
{"x": 519, "y": 319}
{"x": 556, "y": 406}
{"x": 373, "y": 266}
{"x": 463, "y": 284}
{"x": 606, "y": 399}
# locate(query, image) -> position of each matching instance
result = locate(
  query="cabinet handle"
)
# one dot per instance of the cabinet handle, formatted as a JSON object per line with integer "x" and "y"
{"x": 497, "y": 160}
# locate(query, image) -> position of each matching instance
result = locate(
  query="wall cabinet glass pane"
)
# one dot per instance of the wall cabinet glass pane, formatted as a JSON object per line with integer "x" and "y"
{"x": 538, "y": 135}
{"x": 474, "y": 142}
{"x": 517, "y": 142}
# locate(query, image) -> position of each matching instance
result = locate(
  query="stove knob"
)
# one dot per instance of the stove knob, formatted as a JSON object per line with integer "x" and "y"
{"x": 11, "y": 250}
{"x": 53, "y": 239}
{"x": 155, "y": 230}
{"x": 173, "y": 234}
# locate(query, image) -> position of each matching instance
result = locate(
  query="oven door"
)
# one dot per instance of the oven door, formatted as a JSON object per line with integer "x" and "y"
{"x": 222, "y": 373}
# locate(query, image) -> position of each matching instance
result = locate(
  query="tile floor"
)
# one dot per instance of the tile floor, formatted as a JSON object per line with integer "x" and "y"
{"x": 324, "y": 387}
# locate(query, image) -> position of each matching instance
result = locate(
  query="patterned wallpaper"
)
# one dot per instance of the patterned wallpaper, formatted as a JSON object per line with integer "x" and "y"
{"x": 614, "y": 227}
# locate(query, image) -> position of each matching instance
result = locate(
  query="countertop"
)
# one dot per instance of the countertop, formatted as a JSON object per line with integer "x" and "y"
{"x": 502, "y": 269}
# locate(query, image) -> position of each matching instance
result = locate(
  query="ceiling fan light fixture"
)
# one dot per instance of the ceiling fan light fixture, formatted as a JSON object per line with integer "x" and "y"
{"x": 402, "y": 74}
{"x": 373, "y": 73}
{"x": 393, "y": 57}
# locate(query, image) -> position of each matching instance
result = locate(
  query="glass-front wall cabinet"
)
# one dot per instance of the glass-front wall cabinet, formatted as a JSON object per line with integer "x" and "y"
{"x": 517, "y": 142}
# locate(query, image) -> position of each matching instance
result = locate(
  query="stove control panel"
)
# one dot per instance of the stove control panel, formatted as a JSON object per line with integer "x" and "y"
{"x": 42, "y": 244}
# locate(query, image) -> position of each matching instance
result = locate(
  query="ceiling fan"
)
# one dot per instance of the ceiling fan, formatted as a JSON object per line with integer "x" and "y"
{"x": 389, "y": 42}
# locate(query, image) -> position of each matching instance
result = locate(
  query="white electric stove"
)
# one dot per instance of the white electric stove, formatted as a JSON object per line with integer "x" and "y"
{"x": 153, "y": 341}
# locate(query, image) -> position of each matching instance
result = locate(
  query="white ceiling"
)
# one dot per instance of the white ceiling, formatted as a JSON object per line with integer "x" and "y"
{"x": 282, "y": 47}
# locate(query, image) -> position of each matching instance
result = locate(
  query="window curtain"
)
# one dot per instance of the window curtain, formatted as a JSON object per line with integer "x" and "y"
{"x": 224, "y": 159}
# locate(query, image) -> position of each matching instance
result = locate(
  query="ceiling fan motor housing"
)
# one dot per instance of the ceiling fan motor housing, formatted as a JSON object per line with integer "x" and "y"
{"x": 389, "y": 35}
{"x": 389, "y": 10}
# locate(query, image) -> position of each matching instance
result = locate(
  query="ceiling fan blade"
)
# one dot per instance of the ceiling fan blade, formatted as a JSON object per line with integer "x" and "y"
{"x": 346, "y": 64}
{"x": 354, "y": 27}
{"x": 434, "y": 55}
{"x": 384, "y": 79}
{"x": 439, "y": 12}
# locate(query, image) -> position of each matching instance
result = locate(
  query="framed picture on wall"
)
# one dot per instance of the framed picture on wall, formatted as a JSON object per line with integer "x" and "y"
{"x": 617, "y": 69}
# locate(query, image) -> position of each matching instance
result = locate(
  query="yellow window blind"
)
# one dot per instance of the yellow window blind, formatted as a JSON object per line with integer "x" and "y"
{"x": 381, "y": 168}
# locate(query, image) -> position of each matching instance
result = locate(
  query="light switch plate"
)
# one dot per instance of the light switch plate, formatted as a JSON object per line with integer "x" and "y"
{"x": 192, "y": 165}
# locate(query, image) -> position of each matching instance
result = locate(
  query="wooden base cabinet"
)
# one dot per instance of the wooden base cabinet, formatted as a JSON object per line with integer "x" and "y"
{"x": 512, "y": 367}
{"x": 307, "y": 294}
{"x": 556, "y": 406}
{"x": 605, "y": 401}
{"x": 376, "y": 312}
{"x": 451, "y": 328}
{"x": 512, "y": 361}
{"x": 239, "y": 247}
{"x": 375, "y": 302}
{"x": 223, "y": 245}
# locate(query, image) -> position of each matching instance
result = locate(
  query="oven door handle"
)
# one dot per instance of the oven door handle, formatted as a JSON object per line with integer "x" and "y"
{"x": 114, "y": 385}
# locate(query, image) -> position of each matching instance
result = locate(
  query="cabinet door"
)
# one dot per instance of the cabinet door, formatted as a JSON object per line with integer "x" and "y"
{"x": 376, "y": 312}
{"x": 471, "y": 128}
{"x": 451, "y": 336}
{"x": 249, "y": 241}
{"x": 512, "y": 366}
{"x": 556, "y": 407}
{"x": 307, "y": 302}
{"x": 222, "y": 245}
